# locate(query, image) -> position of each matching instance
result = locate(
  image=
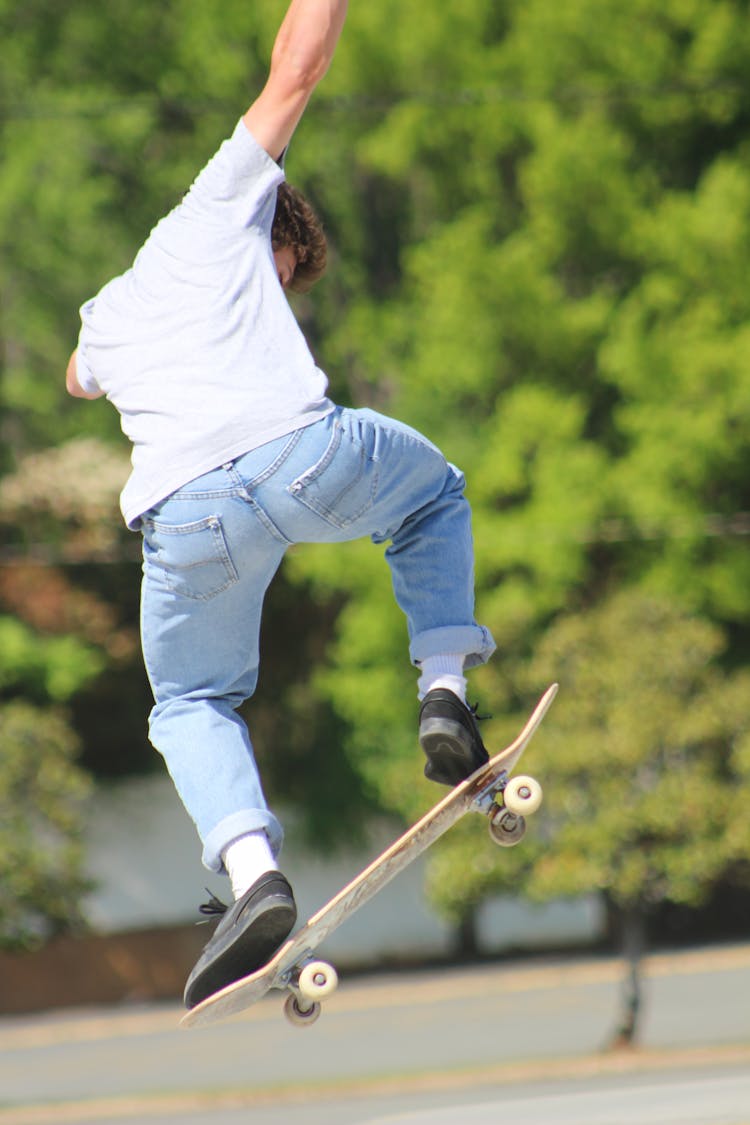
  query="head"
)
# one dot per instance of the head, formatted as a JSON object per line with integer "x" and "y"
{"x": 298, "y": 240}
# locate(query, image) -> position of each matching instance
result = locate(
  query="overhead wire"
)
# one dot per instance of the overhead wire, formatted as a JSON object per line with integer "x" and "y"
{"x": 30, "y": 109}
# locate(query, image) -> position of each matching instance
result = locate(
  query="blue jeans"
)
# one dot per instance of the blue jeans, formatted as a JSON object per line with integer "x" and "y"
{"x": 211, "y": 549}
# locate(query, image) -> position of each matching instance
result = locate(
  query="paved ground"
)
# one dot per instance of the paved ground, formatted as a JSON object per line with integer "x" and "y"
{"x": 522, "y": 1042}
{"x": 714, "y": 1097}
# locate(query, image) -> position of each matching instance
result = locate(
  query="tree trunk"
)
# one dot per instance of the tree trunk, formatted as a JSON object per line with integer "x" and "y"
{"x": 467, "y": 939}
{"x": 633, "y": 939}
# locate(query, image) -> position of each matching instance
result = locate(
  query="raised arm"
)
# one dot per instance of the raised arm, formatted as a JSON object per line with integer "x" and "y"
{"x": 301, "y": 55}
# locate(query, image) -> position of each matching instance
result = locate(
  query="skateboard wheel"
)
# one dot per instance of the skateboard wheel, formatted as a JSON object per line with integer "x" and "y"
{"x": 506, "y": 828}
{"x": 317, "y": 980}
{"x": 300, "y": 1017}
{"x": 522, "y": 795}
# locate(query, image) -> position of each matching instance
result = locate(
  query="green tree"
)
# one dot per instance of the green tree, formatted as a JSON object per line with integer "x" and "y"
{"x": 562, "y": 312}
{"x": 42, "y": 795}
{"x": 644, "y": 763}
{"x": 55, "y": 640}
{"x": 645, "y": 766}
{"x": 678, "y": 354}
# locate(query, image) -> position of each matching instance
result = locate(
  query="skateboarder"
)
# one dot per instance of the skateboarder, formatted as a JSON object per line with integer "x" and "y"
{"x": 239, "y": 453}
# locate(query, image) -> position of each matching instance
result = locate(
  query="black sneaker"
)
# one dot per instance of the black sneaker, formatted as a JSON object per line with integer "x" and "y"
{"x": 250, "y": 931}
{"x": 449, "y": 736}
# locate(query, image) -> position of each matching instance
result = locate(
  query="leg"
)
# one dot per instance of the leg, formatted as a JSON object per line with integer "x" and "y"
{"x": 421, "y": 508}
{"x": 432, "y": 565}
{"x": 360, "y": 473}
{"x": 431, "y": 557}
{"x": 357, "y": 473}
{"x": 208, "y": 560}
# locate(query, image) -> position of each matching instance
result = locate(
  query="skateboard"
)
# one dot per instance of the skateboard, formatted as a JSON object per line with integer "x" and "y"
{"x": 490, "y": 790}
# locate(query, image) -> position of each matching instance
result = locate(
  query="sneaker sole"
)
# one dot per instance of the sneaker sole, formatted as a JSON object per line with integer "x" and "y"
{"x": 449, "y": 751}
{"x": 251, "y": 949}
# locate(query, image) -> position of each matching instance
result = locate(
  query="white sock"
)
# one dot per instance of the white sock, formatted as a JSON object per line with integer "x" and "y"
{"x": 246, "y": 859}
{"x": 444, "y": 670}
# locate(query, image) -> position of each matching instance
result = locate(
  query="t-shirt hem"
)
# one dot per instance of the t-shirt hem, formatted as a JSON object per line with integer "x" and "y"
{"x": 134, "y": 508}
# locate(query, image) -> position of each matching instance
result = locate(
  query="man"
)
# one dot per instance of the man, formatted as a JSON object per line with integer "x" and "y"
{"x": 238, "y": 453}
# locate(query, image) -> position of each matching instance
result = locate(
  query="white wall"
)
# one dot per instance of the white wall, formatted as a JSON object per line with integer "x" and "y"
{"x": 144, "y": 855}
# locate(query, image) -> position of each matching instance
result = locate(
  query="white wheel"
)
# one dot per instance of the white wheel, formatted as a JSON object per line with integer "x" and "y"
{"x": 317, "y": 980}
{"x": 506, "y": 829}
{"x": 300, "y": 1017}
{"x": 522, "y": 795}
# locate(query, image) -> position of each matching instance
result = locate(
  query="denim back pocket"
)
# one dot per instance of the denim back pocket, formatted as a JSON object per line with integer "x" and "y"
{"x": 192, "y": 557}
{"x": 342, "y": 485}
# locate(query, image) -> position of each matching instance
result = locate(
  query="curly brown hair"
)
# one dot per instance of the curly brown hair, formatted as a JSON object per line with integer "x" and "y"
{"x": 295, "y": 224}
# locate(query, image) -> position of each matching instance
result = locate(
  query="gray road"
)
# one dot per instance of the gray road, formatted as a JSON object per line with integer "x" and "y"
{"x": 716, "y": 1097}
{"x": 518, "y": 1042}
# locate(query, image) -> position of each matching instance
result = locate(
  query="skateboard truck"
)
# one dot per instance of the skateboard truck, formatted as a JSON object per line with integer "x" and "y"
{"x": 308, "y": 982}
{"x": 507, "y": 802}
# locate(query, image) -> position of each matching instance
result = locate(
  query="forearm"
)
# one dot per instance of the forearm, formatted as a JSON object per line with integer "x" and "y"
{"x": 307, "y": 39}
{"x": 303, "y": 50}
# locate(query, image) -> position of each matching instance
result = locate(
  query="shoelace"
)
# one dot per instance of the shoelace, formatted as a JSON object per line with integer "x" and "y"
{"x": 211, "y": 908}
{"x": 474, "y": 708}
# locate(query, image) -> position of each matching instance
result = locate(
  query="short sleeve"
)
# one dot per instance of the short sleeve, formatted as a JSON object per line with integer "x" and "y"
{"x": 238, "y": 185}
{"x": 84, "y": 374}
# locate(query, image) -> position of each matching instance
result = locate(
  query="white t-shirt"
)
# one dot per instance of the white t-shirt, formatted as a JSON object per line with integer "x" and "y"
{"x": 196, "y": 345}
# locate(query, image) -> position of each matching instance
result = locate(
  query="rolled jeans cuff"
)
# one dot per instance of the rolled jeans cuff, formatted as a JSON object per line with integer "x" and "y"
{"x": 238, "y": 824}
{"x": 474, "y": 641}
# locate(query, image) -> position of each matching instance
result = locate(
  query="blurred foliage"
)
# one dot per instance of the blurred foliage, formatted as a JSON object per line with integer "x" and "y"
{"x": 539, "y": 218}
{"x": 568, "y": 319}
{"x": 42, "y": 794}
{"x": 644, "y": 761}
{"x": 63, "y": 499}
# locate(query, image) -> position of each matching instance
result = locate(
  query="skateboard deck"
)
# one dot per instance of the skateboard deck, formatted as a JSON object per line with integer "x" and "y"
{"x": 293, "y": 968}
